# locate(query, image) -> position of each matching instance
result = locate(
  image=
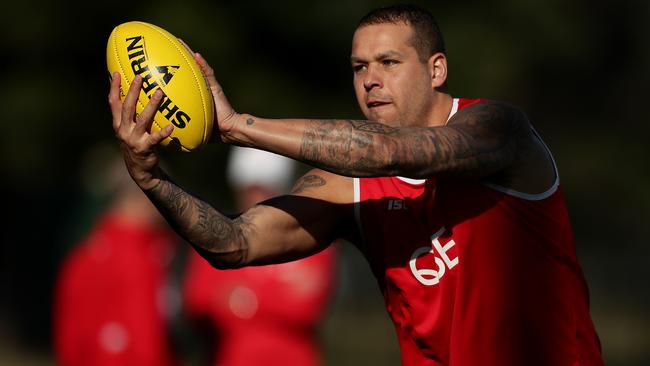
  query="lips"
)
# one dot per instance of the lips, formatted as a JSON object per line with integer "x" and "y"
{"x": 376, "y": 103}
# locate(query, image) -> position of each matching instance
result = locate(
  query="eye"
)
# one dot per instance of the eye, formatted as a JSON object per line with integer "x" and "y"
{"x": 389, "y": 62}
{"x": 358, "y": 68}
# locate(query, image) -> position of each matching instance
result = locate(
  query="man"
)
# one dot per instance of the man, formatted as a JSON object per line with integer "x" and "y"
{"x": 265, "y": 315}
{"x": 472, "y": 248}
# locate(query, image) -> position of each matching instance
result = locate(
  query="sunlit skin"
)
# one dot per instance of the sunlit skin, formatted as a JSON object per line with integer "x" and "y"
{"x": 392, "y": 84}
{"x": 409, "y": 133}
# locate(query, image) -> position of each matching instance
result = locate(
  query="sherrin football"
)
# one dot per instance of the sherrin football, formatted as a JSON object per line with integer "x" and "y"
{"x": 138, "y": 48}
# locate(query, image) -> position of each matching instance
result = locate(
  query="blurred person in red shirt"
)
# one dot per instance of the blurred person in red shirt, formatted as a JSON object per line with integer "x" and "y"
{"x": 112, "y": 296}
{"x": 265, "y": 315}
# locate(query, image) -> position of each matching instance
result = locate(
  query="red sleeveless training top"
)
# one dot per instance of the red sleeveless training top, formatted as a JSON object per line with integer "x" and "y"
{"x": 476, "y": 274}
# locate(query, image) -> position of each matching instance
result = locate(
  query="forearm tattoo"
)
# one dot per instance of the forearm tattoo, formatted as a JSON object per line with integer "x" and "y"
{"x": 219, "y": 239}
{"x": 479, "y": 141}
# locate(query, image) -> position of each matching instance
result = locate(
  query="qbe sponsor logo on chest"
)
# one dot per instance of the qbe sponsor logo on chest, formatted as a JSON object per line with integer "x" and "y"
{"x": 429, "y": 276}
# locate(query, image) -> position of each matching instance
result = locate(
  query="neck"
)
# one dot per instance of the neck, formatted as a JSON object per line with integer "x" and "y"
{"x": 441, "y": 108}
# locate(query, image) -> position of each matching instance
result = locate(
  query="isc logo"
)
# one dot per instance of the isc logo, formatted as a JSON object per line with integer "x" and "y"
{"x": 427, "y": 276}
{"x": 397, "y": 205}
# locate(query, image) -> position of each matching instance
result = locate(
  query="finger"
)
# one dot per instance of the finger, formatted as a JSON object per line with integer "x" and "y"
{"x": 207, "y": 71}
{"x": 128, "y": 107}
{"x": 114, "y": 100}
{"x": 144, "y": 119}
{"x": 156, "y": 137}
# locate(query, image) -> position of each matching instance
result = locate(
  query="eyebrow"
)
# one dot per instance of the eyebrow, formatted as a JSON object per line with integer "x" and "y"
{"x": 379, "y": 56}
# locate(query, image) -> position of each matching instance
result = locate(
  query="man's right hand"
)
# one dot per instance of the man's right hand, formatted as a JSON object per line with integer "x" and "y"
{"x": 138, "y": 145}
{"x": 225, "y": 114}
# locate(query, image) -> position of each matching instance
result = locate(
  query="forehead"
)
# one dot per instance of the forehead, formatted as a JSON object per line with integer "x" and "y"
{"x": 379, "y": 38}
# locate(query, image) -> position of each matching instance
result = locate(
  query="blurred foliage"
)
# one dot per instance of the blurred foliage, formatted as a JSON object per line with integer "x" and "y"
{"x": 578, "y": 68}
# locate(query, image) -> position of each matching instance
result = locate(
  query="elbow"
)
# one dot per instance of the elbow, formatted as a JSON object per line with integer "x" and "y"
{"x": 228, "y": 249}
{"x": 226, "y": 260}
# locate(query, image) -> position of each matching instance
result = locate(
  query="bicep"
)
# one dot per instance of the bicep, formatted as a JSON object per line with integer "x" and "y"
{"x": 296, "y": 225}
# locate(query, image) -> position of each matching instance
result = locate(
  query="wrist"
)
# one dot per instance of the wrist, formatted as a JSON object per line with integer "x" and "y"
{"x": 236, "y": 134}
{"x": 150, "y": 184}
{"x": 148, "y": 180}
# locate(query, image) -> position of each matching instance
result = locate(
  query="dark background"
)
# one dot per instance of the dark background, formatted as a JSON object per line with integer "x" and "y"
{"x": 578, "y": 68}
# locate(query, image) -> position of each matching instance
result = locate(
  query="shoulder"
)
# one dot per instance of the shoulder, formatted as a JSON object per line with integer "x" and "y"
{"x": 530, "y": 168}
{"x": 493, "y": 122}
{"x": 489, "y": 111}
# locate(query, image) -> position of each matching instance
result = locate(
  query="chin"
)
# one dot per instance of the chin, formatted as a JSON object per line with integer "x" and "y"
{"x": 390, "y": 121}
{"x": 383, "y": 118}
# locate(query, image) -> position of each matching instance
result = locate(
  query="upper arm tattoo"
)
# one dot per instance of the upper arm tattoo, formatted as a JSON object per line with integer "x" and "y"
{"x": 308, "y": 181}
{"x": 480, "y": 140}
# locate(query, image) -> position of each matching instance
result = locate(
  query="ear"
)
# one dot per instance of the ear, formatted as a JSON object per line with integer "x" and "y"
{"x": 437, "y": 65}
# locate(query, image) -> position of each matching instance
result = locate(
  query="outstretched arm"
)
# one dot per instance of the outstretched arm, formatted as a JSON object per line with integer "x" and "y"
{"x": 278, "y": 230}
{"x": 478, "y": 141}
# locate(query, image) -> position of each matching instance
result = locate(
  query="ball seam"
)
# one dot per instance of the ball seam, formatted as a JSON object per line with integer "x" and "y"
{"x": 119, "y": 63}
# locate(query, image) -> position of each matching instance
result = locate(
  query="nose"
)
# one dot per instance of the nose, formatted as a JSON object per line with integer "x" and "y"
{"x": 372, "y": 79}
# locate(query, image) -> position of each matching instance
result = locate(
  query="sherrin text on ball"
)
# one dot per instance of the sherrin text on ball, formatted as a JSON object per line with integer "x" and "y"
{"x": 163, "y": 62}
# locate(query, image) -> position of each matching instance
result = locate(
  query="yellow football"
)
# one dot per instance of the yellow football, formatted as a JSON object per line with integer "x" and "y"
{"x": 138, "y": 48}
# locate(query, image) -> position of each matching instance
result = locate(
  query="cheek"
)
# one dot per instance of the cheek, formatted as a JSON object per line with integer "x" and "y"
{"x": 360, "y": 94}
{"x": 415, "y": 98}
{"x": 419, "y": 86}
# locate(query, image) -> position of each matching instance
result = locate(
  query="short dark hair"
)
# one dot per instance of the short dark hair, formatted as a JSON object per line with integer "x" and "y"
{"x": 427, "y": 38}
